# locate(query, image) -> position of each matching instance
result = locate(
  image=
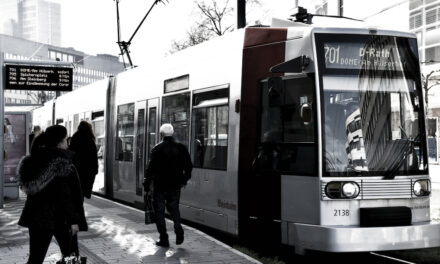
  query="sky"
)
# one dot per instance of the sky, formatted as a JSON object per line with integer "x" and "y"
{"x": 90, "y": 25}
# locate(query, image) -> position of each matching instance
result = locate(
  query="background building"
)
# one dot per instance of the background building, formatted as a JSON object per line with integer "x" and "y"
{"x": 32, "y": 31}
{"x": 36, "y": 20}
{"x": 87, "y": 68}
{"x": 424, "y": 20}
{"x": 9, "y": 17}
{"x": 40, "y": 21}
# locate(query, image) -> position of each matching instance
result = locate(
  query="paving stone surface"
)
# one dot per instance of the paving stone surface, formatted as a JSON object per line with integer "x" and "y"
{"x": 116, "y": 234}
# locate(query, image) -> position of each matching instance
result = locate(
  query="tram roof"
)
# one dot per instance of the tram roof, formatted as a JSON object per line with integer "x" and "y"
{"x": 336, "y": 24}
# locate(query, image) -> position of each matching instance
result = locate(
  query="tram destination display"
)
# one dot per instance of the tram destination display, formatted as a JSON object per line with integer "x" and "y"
{"x": 382, "y": 53}
{"x": 38, "y": 78}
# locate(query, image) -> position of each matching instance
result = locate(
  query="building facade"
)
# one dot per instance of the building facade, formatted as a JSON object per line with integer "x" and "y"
{"x": 86, "y": 68}
{"x": 424, "y": 21}
{"x": 36, "y": 20}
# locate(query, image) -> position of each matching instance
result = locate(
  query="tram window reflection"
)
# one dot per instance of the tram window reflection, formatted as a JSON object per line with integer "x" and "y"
{"x": 124, "y": 133}
{"x": 175, "y": 110}
{"x": 210, "y": 130}
{"x": 286, "y": 142}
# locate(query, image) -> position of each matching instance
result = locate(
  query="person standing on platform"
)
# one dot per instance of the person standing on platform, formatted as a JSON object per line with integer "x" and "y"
{"x": 35, "y": 132}
{"x": 169, "y": 169}
{"x": 85, "y": 159}
{"x": 9, "y": 133}
{"x": 85, "y": 156}
{"x": 54, "y": 203}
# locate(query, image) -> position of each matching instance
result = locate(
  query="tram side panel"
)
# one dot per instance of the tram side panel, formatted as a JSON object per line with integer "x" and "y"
{"x": 80, "y": 104}
{"x": 300, "y": 195}
{"x": 42, "y": 116}
{"x": 120, "y": 160}
{"x": 259, "y": 189}
{"x": 210, "y": 198}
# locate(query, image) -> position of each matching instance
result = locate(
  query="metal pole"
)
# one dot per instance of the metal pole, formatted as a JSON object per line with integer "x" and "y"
{"x": 341, "y": 7}
{"x": 2, "y": 117}
{"x": 39, "y": 63}
{"x": 241, "y": 13}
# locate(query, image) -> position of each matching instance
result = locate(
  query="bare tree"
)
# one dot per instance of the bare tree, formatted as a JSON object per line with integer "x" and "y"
{"x": 194, "y": 36}
{"x": 215, "y": 19}
{"x": 429, "y": 82}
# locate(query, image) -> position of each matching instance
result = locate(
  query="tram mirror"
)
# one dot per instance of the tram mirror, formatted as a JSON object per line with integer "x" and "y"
{"x": 306, "y": 113}
{"x": 275, "y": 90}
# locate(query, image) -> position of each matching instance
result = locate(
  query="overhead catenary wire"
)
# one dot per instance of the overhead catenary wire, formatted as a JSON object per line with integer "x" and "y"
{"x": 125, "y": 45}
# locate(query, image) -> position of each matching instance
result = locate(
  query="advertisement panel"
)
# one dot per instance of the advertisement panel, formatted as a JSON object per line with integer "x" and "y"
{"x": 14, "y": 144}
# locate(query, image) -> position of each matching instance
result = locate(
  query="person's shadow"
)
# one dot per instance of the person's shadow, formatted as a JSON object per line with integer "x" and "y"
{"x": 167, "y": 254}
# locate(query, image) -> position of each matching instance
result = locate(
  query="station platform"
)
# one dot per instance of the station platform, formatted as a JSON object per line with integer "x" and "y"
{"x": 117, "y": 234}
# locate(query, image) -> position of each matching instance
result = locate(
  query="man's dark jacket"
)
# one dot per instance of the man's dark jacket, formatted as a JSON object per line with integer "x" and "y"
{"x": 169, "y": 167}
{"x": 54, "y": 197}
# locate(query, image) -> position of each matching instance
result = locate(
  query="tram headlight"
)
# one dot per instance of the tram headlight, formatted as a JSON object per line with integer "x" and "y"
{"x": 350, "y": 189}
{"x": 342, "y": 190}
{"x": 422, "y": 187}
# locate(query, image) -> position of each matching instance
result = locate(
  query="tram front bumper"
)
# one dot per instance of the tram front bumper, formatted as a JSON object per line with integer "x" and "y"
{"x": 359, "y": 239}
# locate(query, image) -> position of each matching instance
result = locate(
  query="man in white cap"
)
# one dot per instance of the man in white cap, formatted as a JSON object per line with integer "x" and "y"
{"x": 169, "y": 169}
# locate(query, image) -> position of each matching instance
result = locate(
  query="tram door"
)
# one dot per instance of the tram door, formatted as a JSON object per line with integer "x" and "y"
{"x": 285, "y": 149}
{"x": 264, "y": 183}
{"x": 140, "y": 116}
{"x": 152, "y": 133}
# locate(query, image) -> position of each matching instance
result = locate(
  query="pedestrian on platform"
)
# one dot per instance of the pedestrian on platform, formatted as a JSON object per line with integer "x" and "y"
{"x": 35, "y": 132}
{"x": 9, "y": 133}
{"x": 54, "y": 203}
{"x": 169, "y": 169}
{"x": 85, "y": 156}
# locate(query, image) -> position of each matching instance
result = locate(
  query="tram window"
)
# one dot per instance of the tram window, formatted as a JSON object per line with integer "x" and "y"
{"x": 98, "y": 129}
{"x": 175, "y": 110}
{"x": 75, "y": 122}
{"x": 210, "y": 130}
{"x": 124, "y": 133}
{"x": 287, "y": 143}
{"x": 151, "y": 129}
{"x": 95, "y": 115}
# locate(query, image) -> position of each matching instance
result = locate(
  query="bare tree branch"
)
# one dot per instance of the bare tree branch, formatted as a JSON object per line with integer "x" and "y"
{"x": 215, "y": 20}
{"x": 426, "y": 86}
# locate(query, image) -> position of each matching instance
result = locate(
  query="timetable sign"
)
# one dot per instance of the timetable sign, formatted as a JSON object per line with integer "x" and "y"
{"x": 38, "y": 78}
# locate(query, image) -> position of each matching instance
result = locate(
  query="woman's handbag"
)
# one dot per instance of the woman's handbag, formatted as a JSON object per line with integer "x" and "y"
{"x": 73, "y": 260}
{"x": 150, "y": 217}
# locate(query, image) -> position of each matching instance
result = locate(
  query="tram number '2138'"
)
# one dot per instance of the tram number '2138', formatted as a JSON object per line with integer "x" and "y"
{"x": 332, "y": 54}
{"x": 343, "y": 212}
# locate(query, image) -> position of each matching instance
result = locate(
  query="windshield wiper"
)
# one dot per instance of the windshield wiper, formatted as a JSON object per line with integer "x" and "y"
{"x": 407, "y": 148}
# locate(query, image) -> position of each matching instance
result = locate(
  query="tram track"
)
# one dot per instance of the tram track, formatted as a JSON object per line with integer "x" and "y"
{"x": 285, "y": 254}
{"x": 390, "y": 259}
{"x": 341, "y": 258}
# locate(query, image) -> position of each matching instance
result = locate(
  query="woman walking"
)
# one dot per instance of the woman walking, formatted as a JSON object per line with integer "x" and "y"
{"x": 54, "y": 204}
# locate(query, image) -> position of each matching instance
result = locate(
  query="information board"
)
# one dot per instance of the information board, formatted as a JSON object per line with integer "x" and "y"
{"x": 38, "y": 78}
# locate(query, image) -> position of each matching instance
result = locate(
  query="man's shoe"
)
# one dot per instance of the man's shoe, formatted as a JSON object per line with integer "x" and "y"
{"x": 179, "y": 239}
{"x": 162, "y": 243}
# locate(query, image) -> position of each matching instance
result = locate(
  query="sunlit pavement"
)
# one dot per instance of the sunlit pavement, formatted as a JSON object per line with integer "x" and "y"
{"x": 434, "y": 172}
{"x": 116, "y": 234}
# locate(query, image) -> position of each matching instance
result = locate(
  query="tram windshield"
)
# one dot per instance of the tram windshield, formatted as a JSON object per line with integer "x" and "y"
{"x": 372, "y": 106}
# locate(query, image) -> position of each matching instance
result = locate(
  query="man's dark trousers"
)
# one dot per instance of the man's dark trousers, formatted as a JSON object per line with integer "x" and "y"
{"x": 170, "y": 199}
